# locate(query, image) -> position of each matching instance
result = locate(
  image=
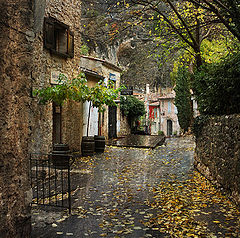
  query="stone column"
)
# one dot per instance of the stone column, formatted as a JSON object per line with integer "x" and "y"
{"x": 16, "y": 20}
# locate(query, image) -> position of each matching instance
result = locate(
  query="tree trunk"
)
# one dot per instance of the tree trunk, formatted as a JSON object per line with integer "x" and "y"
{"x": 15, "y": 69}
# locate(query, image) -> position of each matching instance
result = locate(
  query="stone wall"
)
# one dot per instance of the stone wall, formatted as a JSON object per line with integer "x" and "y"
{"x": 45, "y": 63}
{"x": 217, "y": 153}
{"x": 124, "y": 126}
{"x": 15, "y": 67}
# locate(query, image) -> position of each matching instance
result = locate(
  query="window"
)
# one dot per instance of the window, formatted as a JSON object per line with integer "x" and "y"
{"x": 175, "y": 110}
{"x": 169, "y": 106}
{"x": 58, "y": 38}
{"x": 112, "y": 80}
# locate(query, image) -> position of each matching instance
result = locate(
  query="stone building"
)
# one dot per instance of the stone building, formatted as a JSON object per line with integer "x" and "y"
{"x": 97, "y": 69}
{"x": 161, "y": 113}
{"x": 16, "y": 53}
{"x": 57, "y": 49}
{"x": 169, "y": 119}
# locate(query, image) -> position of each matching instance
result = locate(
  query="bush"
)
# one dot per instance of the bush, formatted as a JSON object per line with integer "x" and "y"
{"x": 198, "y": 124}
{"x": 161, "y": 133}
{"x": 132, "y": 107}
{"x": 217, "y": 86}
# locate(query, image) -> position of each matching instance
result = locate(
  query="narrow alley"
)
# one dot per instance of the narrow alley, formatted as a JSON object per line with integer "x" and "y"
{"x": 133, "y": 192}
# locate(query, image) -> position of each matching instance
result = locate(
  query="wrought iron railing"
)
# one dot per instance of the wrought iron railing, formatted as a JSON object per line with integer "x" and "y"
{"x": 50, "y": 181}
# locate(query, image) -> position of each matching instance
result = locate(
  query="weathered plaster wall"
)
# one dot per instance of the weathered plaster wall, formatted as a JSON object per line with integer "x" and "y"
{"x": 68, "y": 12}
{"x": 15, "y": 66}
{"x": 124, "y": 126}
{"x": 167, "y": 114}
{"x": 217, "y": 153}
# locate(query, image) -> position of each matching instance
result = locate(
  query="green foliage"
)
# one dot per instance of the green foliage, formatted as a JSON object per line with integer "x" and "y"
{"x": 183, "y": 98}
{"x": 101, "y": 95}
{"x": 161, "y": 133}
{"x": 217, "y": 86}
{"x": 132, "y": 107}
{"x": 77, "y": 90}
{"x": 84, "y": 49}
{"x": 198, "y": 124}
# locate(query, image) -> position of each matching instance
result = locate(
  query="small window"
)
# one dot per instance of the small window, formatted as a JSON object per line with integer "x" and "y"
{"x": 58, "y": 38}
{"x": 112, "y": 80}
{"x": 169, "y": 107}
{"x": 175, "y": 110}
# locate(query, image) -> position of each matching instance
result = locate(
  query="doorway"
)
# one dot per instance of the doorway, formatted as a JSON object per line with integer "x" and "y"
{"x": 169, "y": 127}
{"x": 112, "y": 122}
{"x": 57, "y": 124}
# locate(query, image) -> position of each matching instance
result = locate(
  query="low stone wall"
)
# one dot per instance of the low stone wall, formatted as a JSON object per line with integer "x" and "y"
{"x": 217, "y": 154}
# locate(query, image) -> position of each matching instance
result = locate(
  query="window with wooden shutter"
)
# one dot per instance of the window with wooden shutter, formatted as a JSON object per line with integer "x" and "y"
{"x": 49, "y": 33}
{"x": 58, "y": 38}
{"x": 70, "y": 44}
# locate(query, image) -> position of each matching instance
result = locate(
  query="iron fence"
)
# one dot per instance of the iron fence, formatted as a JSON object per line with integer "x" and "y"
{"x": 50, "y": 182}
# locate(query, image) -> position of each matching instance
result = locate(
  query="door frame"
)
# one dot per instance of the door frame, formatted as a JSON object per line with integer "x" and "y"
{"x": 169, "y": 127}
{"x": 57, "y": 124}
{"x": 112, "y": 122}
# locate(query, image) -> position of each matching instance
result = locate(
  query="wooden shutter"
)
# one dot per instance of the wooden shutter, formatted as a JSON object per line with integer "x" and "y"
{"x": 48, "y": 33}
{"x": 70, "y": 44}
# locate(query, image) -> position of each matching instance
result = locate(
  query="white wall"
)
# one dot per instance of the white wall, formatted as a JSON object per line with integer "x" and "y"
{"x": 93, "y": 121}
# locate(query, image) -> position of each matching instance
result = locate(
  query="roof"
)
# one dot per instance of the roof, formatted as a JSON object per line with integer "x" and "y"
{"x": 154, "y": 104}
{"x": 168, "y": 96}
{"x": 104, "y": 62}
{"x": 91, "y": 73}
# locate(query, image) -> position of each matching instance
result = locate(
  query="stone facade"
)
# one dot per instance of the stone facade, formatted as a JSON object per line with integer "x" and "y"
{"x": 125, "y": 128}
{"x": 217, "y": 153}
{"x": 15, "y": 67}
{"x": 169, "y": 119}
{"x": 46, "y": 64}
{"x": 104, "y": 70}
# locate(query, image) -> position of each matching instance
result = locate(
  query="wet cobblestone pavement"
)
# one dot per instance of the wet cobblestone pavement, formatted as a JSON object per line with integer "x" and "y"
{"x": 133, "y": 192}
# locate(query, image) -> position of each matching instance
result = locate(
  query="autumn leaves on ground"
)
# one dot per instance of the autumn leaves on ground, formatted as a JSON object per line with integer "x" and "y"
{"x": 130, "y": 192}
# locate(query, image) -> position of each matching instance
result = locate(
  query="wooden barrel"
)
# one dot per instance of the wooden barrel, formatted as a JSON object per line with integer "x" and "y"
{"x": 99, "y": 144}
{"x": 88, "y": 145}
{"x": 60, "y": 156}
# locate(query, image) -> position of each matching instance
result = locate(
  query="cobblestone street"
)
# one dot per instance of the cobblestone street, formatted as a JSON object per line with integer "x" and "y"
{"x": 132, "y": 192}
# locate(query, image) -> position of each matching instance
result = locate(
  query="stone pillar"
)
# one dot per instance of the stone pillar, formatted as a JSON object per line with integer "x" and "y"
{"x": 16, "y": 20}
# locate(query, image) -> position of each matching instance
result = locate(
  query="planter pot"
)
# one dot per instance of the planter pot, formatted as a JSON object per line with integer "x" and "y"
{"x": 61, "y": 156}
{"x": 87, "y": 145}
{"x": 99, "y": 144}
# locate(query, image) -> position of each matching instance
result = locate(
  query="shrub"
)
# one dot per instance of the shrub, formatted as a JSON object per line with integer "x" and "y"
{"x": 161, "y": 133}
{"x": 132, "y": 107}
{"x": 198, "y": 124}
{"x": 217, "y": 86}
